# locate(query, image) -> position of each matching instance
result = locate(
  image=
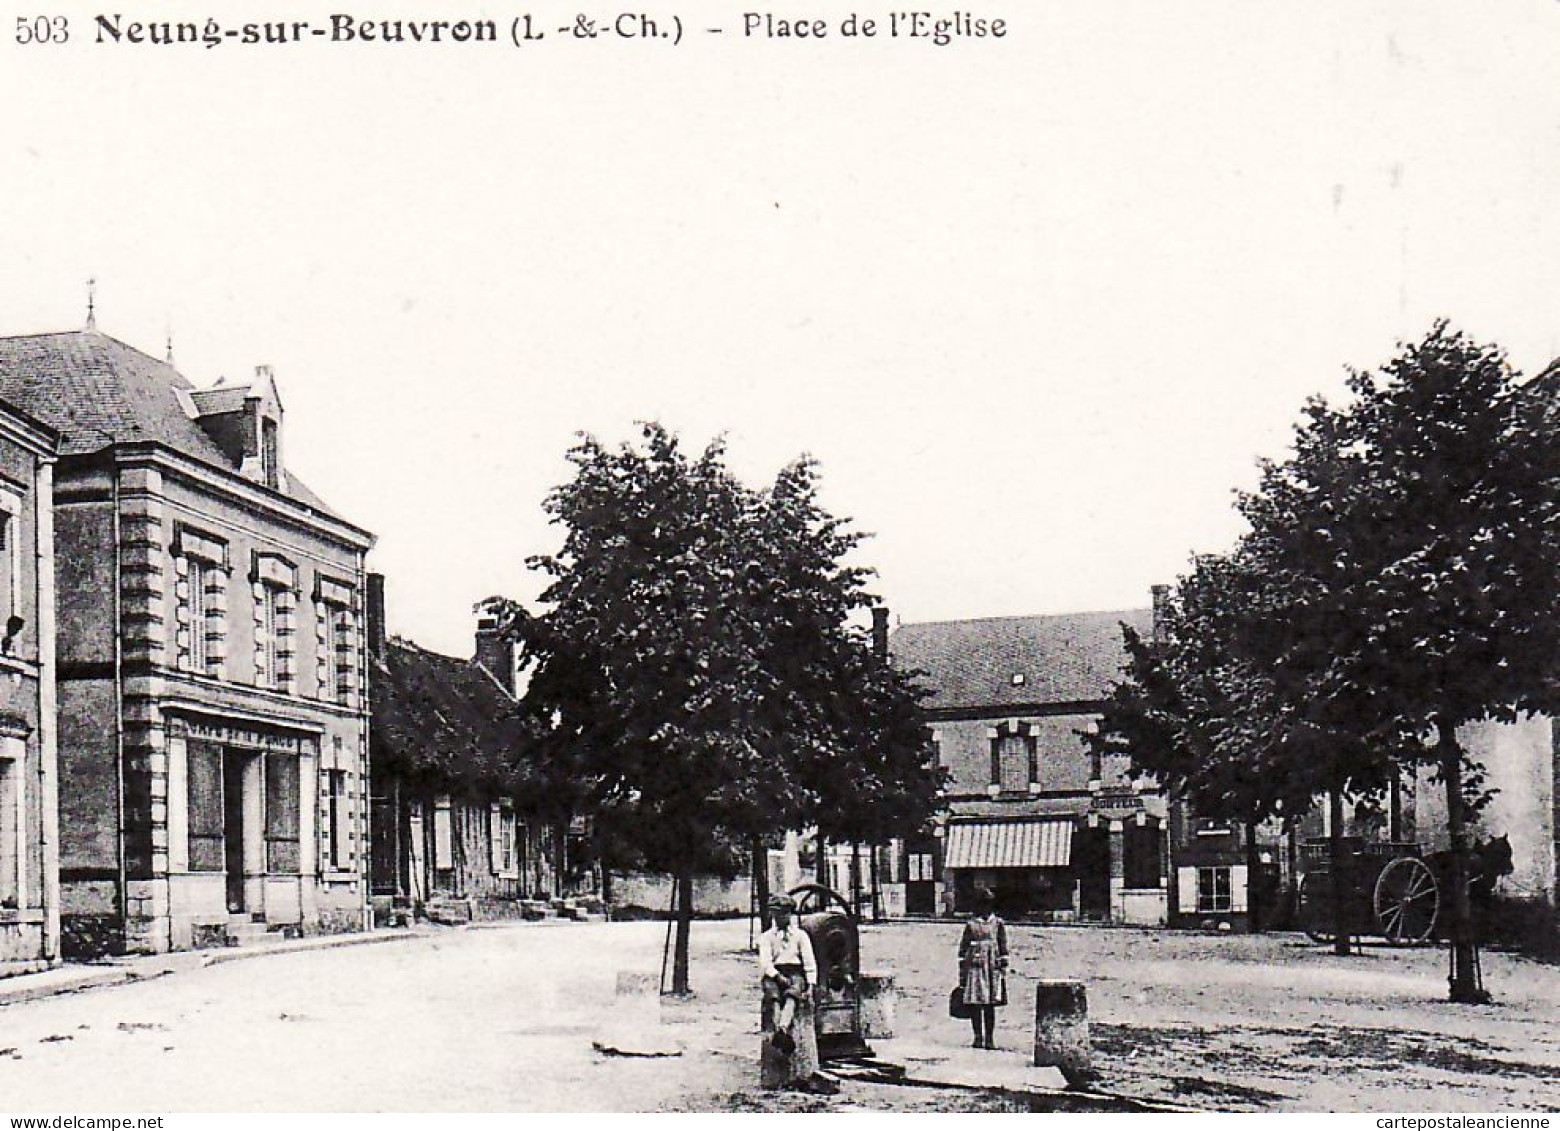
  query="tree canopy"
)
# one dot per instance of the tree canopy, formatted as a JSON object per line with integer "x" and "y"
{"x": 696, "y": 666}
{"x": 1397, "y": 582}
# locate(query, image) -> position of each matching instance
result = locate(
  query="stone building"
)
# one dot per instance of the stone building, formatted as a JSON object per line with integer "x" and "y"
{"x": 1029, "y": 812}
{"x": 213, "y": 733}
{"x": 1228, "y": 876}
{"x": 29, "y": 828}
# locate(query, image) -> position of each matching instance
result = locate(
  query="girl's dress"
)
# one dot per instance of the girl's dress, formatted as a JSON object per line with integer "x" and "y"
{"x": 983, "y": 955}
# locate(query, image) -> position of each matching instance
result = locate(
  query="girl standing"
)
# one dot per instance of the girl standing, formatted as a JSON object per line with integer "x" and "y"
{"x": 983, "y": 960}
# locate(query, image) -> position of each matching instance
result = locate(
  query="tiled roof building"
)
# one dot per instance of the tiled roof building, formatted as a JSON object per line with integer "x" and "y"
{"x": 446, "y": 735}
{"x": 1017, "y": 661}
{"x": 1029, "y": 812}
{"x": 96, "y": 390}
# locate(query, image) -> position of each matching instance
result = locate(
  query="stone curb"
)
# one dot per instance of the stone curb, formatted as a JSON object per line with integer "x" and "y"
{"x": 71, "y": 979}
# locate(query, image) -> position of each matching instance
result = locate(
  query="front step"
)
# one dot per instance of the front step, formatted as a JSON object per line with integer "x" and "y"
{"x": 246, "y": 930}
{"x": 451, "y": 912}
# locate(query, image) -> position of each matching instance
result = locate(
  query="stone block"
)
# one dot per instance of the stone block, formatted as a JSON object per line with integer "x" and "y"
{"x": 777, "y": 1069}
{"x": 878, "y": 993}
{"x": 1062, "y": 1027}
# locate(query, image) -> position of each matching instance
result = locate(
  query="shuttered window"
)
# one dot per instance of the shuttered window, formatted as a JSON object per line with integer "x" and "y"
{"x": 1140, "y": 855}
{"x": 335, "y": 823}
{"x": 281, "y": 813}
{"x": 1213, "y": 890}
{"x": 203, "y": 773}
{"x": 11, "y": 849}
{"x": 443, "y": 835}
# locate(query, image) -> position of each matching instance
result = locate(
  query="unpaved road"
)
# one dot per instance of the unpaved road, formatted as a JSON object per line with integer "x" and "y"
{"x": 1252, "y": 1023}
{"x": 503, "y": 1019}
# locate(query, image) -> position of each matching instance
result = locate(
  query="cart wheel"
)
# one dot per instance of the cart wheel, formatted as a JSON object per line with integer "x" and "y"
{"x": 1316, "y": 907}
{"x": 1406, "y": 901}
{"x": 810, "y": 898}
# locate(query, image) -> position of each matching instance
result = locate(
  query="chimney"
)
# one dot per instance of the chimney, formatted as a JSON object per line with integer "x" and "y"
{"x": 374, "y": 610}
{"x": 880, "y": 632}
{"x": 1161, "y": 607}
{"x": 496, "y": 652}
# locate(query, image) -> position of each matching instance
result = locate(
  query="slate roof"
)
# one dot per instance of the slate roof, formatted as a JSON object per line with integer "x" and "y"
{"x": 220, "y": 399}
{"x": 1068, "y": 658}
{"x": 92, "y": 388}
{"x": 442, "y": 720}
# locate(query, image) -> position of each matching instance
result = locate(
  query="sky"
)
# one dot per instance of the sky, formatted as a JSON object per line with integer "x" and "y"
{"x": 1037, "y": 304}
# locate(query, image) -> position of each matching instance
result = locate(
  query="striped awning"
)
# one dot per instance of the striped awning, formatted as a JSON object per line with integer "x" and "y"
{"x": 1009, "y": 844}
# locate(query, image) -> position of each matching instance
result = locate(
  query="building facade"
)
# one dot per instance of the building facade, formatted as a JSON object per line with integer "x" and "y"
{"x": 1228, "y": 876}
{"x": 213, "y": 728}
{"x": 449, "y": 842}
{"x": 1054, "y": 831}
{"x": 29, "y": 826}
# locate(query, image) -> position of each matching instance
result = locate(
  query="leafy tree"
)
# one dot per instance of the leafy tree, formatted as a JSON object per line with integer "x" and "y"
{"x": 1408, "y": 555}
{"x": 866, "y": 770}
{"x": 1398, "y": 580}
{"x": 1198, "y": 715}
{"x": 693, "y": 656}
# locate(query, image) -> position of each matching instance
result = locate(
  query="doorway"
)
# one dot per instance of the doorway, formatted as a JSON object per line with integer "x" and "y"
{"x": 1091, "y": 864}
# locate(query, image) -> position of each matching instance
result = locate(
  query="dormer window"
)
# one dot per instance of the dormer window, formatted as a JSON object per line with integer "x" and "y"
{"x": 1018, "y": 679}
{"x": 245, "y": 421}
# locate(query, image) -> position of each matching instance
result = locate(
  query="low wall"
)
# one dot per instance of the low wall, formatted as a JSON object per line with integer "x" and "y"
{"x": 652, "y": 892}
{"x": 21, "y": 938}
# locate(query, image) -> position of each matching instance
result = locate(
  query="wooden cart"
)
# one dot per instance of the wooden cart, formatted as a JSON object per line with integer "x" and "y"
{"x": 1390, "y": 889}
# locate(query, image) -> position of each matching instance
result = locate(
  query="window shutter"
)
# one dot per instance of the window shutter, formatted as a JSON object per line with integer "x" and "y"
{"x": 203, "y": 772}
{"x": 281, "y": 813}
{"x": 443, "y": 834}
{"x": 495, "y": 837}
{"x": 1238, "y": 888}
{"x": 1186, "y": 890}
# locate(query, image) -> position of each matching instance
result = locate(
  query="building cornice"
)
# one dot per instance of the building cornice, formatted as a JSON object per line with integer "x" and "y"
{"x": 180, "y": 688}
{"x": 34, "y": 435}
{"x": 233, "y": 712}
{"x": 254, "y": 495}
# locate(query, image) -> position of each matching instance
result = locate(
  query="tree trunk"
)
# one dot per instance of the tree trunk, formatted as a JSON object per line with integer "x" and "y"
{"x": 1292, "y": 850}
{"x": 1342, "y": 919}
{"x": 1256, "y": 912}
{"x": 403, "y": 859}
{"x": 1465, "y": 983}
{"x": 855, "y": 877}
{"x": 537, "y": 835}
{"x": 761, "y": 880}
{"x": 1395, "y": 808}
{"x": 684, "y": 928}
{"x": 877, "y": 890}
